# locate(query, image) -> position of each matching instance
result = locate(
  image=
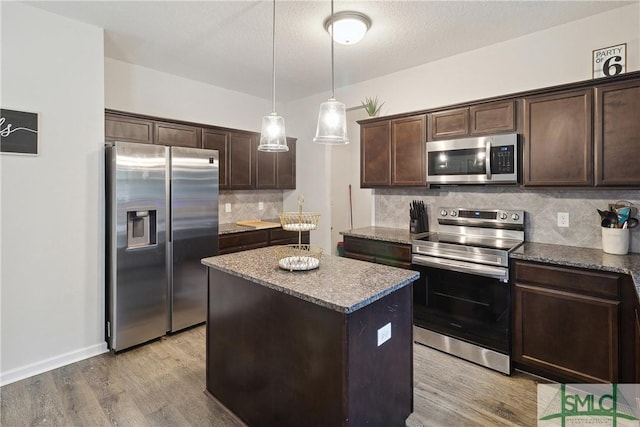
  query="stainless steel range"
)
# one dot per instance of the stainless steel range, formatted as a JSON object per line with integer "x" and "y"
{"x": 462, "y": 299}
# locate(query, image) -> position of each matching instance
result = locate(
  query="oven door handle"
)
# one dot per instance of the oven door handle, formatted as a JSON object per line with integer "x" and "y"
{"x": 462, "y": 267}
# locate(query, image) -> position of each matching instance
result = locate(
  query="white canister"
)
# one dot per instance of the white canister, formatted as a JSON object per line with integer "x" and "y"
{"x": 615, "y": 240}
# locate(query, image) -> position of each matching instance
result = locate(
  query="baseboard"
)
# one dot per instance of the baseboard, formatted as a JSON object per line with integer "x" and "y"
{"x": 51, "y": 363}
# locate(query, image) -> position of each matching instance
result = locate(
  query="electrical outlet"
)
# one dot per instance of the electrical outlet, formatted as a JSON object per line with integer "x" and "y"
{"x": 563, "y": 219}
{"x": 227, "y": 207}
{"x": 384, "y": 334}
{"x": 260, "y": 206}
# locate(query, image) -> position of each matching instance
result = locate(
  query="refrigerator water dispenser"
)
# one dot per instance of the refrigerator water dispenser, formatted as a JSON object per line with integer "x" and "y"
{"x": 141, "y": 228}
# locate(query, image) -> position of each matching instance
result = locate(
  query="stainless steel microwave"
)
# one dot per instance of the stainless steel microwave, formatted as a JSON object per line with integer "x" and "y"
{"x": 480, "y": 160}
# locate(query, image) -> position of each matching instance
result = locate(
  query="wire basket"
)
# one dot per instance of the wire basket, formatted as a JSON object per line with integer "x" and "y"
{"x": 299, "y": 221}
{"x": 298, "y": 257}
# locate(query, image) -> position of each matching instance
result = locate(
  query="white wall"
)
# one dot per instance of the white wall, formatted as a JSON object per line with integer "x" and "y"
{"x": 555, "y": 56}
{"x": 51, "y": 217}
{"x": 141, "y": 90}
{"x": 345, "y": 171}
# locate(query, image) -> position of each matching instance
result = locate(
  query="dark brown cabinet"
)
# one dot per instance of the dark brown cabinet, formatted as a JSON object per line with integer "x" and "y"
{"x": 378, "y": 251}
{"x": 241, "y": 165}
{"x": 130, "y": 129}
{"x": 245, "y": 240}
{"x": 276, "y": 170}
{"x": 286, "y": 167}
{"x": 558, "y": 149}
{"x": 392, "y": 152}
{"x": 242, "y": 152}
{"x": 637, "y": 341}
{"x": 492, "y": 117}
{"x": 480, "y": 119}
{"x": 177, "y": 135}
{"x": 408, "y": 151}
{"x": 265, "y": 168}
{"x": 573, "y": 325}
{"x": 617, "y": 134}
{"x": 218, "y": 140}
{"x": 375, "y": 154}
{"x": 449, "y": 124}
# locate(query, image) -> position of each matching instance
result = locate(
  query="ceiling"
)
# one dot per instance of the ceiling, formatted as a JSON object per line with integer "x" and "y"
{"x": 228, "y": 43}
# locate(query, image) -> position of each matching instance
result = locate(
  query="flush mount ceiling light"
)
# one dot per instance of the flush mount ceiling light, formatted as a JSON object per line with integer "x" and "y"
{"x": 273, "y": 136}
{"x": 348, "y": 27}
{"x": 332, "y": 118}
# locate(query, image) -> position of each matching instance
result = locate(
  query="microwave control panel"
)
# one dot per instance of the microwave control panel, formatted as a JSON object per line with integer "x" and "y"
{"x": 503, "y": 159}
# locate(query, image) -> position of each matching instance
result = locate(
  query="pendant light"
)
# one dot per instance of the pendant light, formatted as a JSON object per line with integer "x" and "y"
{"x": 332, "y": 118}
{"x": 273, "y": 136}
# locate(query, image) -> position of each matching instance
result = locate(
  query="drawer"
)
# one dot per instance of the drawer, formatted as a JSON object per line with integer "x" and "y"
{"x": 283, "y": 237}
{"x": 583, "y": 281}
{"x": 243, "y": 240}
{"x": 378, "y": 249}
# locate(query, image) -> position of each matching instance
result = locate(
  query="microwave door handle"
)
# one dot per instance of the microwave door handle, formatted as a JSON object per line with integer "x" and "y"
{"x": 487, "y": 159}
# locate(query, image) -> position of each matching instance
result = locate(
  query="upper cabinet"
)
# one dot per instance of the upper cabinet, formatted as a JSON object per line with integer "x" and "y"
{"x": 617, "y": 134}
{"x": 276, "y": 170}
{"x": 241, "y": 165}
{"x": 242, "y": 155}
{"x": 177, "y": 135}
{"x": 129, "y": 129}
{"x": 558, "y": 139}
{"x": 480, "y": 119}
{"x": 492, "y": 117}
{"x": 408, "y": 151}
{"x": 393, "y": 152}
{"x": 213, "y": 139}
{"x": 449, "y": 124}
{"x": 375, "y": 154}
{"x": 286, "y": 167}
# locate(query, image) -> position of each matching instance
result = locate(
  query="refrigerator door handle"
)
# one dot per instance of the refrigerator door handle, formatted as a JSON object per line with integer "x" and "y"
{"x": 169, "y": 282}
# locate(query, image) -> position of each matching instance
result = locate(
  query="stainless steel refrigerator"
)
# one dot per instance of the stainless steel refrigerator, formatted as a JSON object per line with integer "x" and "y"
{"x": 162, "y": 219}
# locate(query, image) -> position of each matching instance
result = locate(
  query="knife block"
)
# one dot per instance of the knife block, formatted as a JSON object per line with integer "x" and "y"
{"x": 419, "y": 225}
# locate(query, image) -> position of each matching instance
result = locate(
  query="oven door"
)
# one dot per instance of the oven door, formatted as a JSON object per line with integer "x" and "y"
{"x": 477, "y": 160}
{"x": 460, "y": 304}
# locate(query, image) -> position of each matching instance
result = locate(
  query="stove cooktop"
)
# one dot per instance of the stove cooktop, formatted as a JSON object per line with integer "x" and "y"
{"x": 467, "y": 240}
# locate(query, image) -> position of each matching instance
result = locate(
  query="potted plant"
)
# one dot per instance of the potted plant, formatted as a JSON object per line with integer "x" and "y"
{"x": 371, "y": 106}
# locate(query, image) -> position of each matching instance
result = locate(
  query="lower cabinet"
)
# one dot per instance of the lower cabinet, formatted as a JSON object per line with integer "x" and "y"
{"x": 245, "y": 240}
{"x": 574, "y": 325}
{"x": 380, "y": 252}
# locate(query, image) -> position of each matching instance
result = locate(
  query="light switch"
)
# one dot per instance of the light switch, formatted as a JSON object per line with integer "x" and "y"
{"x": 260, "y": 206}
{"x": 227, "y": 207}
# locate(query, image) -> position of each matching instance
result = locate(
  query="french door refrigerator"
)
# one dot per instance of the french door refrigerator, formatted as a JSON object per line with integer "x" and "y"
{"x": 162, "y": 219}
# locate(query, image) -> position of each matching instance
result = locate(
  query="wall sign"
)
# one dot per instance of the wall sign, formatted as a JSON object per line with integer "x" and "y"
{"x": 18, "y": 132}
{"x": 610, "y": 61}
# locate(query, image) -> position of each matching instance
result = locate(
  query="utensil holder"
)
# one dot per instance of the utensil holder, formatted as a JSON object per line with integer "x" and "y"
{"x": 615, "y": 240}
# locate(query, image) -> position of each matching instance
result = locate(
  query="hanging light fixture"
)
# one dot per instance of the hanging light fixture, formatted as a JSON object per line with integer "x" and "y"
{"x": 273, "y": 136}
{"x": 347, "y": 27}
{"x": 332, "y": 118}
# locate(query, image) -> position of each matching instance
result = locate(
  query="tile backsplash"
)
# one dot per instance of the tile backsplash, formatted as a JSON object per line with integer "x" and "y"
{"x": 244, "y": 205}
{"x": 541, "y": 207}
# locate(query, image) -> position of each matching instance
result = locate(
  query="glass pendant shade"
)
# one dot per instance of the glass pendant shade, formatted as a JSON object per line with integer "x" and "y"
{"x": 273, "y": 136}
{"x": 332, "y": 123}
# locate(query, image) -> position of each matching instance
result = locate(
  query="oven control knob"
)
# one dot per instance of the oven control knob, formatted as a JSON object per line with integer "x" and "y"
{"x": 515, "y": 217}
{"x": 503, "y": 215}
{"x": 443, "y": 213}
{"x": 454, "y": 213}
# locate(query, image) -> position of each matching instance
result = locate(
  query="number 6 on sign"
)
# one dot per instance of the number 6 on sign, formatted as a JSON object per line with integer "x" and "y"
{"x": 609, "y": 61}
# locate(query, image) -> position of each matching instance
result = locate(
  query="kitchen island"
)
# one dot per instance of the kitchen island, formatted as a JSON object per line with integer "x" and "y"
{"x": 330, "y": 346}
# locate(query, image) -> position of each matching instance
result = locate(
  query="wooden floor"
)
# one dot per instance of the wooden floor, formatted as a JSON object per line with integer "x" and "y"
{"x": 162, "y": 384}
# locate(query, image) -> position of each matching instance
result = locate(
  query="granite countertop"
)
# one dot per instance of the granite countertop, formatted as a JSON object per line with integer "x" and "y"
{"x": 232, "y": 227}
{"x": 341, "y": 284}
{"x": 386, "y": 234}
{"x": 572, "y": 256}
